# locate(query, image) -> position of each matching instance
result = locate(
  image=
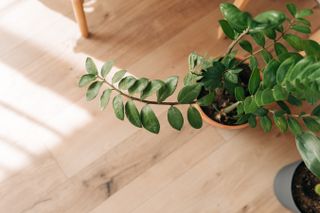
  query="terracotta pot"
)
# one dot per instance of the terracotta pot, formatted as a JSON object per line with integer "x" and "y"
{"x": 217, "y": 124}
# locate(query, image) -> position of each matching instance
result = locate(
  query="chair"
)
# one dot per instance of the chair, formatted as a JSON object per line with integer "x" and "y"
{"x": 80, "y": 17}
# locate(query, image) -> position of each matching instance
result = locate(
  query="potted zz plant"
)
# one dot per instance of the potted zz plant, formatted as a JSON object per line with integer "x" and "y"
{"x": 229, "y": 91}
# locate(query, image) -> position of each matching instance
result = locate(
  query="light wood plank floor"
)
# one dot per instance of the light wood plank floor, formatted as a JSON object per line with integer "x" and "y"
{"x": 59, "y": 153}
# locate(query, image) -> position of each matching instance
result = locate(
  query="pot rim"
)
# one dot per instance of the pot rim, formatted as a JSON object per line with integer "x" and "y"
{"x": 212, "y": 122}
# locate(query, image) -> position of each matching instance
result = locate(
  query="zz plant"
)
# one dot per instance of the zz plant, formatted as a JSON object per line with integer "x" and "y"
{"x": 289, "y": 75}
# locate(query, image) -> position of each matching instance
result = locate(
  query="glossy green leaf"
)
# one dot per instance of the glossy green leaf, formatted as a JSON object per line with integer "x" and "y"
{"x": 312, "y": 48}
{"x": 227, "y": 29}
{"x": 280, "y": 48}
{"x": 266, "y": 123}
{"x": 151, "y": 88}
{"x": 281, "y": 122}
{"x": 87, "y": 79}
{"x": 292, "y": 9}
{"x": 118, "y": 107}
{"x": 271, "y": 17}
{"x": 126, "y": 82}
{"x": 294, "y": 41}
{"x": 206, "y": 100}
{"x": 237, "y": 19}
{"x": 294, "y": 101}
{"x": 118, "y": 76}
{"x": 231, "y": 77}
{"x": 91, "y": 67}
{"x": 175, "y": 118}
{"x": 284, "y": 68}
{"x": 269, "y": 73}
{"x": 104, "y": 99}
{"x": 239, "y": 93}
{"x": 312, "y": 123}
{"x": 271, "y": 33}
{"x": 250, "y": 105}
{"x": 149, "y": 119}
{"x": 252, "y": 121}
{"x": 304, "y": 13}
{"x": 253, "y": 62}
{"x": 294, "y": 126}
{"x": 167, "y": 89}
{"x": 280, "y": 93}
{"x": 246, "y": 46}
{"x": 266, "y": 56}
{"x": 301, "y": 29}
{"x": 254, "y": 81}
{"x": 138, "y": 86}
{"x": 258, "y": 37}
{"x": 296, "y": 70}
{"x": 93, "y": 90}
{"x": 267, "y": 97}
{"x": 194, "y": 117}
{"x": 261, "y": 112}
{"x": 189, "y": 93}
{"x": 132, "y": 114}
{"x": 284, "y": 107}
{"x": 106, "y": 68}
{"x": 308, "y": 146}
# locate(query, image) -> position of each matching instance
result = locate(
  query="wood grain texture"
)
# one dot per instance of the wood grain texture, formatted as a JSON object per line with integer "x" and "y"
{"x": 59, "y": 153}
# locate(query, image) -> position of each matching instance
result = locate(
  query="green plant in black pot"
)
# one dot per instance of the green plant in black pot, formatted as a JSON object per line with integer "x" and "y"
{"x": 232, "y": 90}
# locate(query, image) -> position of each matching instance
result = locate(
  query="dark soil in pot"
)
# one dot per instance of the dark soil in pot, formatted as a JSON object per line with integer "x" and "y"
{"x": 303, "y": 190}
{"x": 224, "y": 98}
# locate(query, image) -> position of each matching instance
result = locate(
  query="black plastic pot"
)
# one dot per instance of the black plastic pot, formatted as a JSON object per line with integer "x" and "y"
{"x": 283, "y": 186}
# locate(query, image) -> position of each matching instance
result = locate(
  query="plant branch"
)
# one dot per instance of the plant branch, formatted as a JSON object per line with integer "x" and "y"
{"x": 235, "y": 42}
{"x": 139, "y": 99}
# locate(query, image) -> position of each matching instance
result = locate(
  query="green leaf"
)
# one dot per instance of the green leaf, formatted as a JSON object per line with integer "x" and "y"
{"x": 304, "y": 13}
{"x": 243, "y": 119}
{"x": 284, "y": 107}
{"x": 280, "y": 122}
{"x": 309, "y": 148}
{"x": 280, "y": 93}
{"x": 106, "y": 68}
{"x": 304, "y": 21}
{"x": 269, "y": 73}
{"x": 252, "y": 121}
{"x": 294, "y": 41}
{"x": 316, "y": 111}
{"x": 292, "y": 9}
{"x": 285, "y": 66}
{"x": 280, "y": 48}
{"x": 254, "y": 81}
{"x": 312, "y": 123}
{"x": 126, "y": 82}
{"x": 270, "y": 33}
{"x": 311, "y": 48}
{"x": 253, "y": 63}
{"x": 267, "y": 97}
{"x": 189, "y": 93}
{"x": 167, "y": 89}
{"x": 228, "y": 31}
{"x": 266, "y": 56}
{"x": 261, "y": 112}
{"x": 132, "y": 114}
{"x": 175, "y": 118}
{"x": 91, "y": 67}
{"x": 294, "y": 101}
{"x": 86, "y": 79}
{"x": 271, "y": 17}
{"x": 294, "y": 126}
{"x": 239, "y": 93}
{"x": 266, "y": 123}
{"x": 118, "y": 107}
{"x": 118, "y": 76}
{"x": 151, "y": 88}
{"x": 237, "y": 19}
{"x": 104, "y": 99}
{"x": 206, "y": 100}
{"x": 149, "y": 119}
{"x": 93, "y": 90}
{"x": 138, "y": 86}
{"x": 258, "y": 37}
{"x": 250, "y": 105}
{"x": 246, "y": 46}
{"x": 301, "y": 29}
{"x": 194, "y": 117}
{"x": 231, "y": 77}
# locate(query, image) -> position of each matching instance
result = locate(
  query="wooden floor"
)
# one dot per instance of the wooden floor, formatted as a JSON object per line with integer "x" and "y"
{"x": 59, "y": 153}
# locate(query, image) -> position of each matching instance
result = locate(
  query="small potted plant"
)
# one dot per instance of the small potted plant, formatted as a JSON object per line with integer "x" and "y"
{"x": 229, "y": 91}
{"x": 297, "y": 188}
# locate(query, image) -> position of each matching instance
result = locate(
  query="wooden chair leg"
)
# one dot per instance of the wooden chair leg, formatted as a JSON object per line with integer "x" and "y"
{"x": 240, "y": 4}
{"x": 80, "y": 17}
